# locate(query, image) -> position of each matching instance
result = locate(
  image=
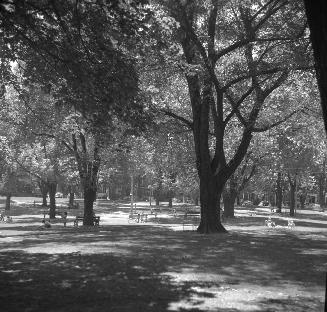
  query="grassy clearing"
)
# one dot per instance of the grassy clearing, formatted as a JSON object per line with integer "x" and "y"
{"x": 158, "y": 267}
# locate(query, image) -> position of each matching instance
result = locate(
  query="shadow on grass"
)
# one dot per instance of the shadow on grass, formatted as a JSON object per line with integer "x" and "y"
{"x": 134, "y": 268}
{"x": 300, "y": 303}
{"x": 75, "y": 282}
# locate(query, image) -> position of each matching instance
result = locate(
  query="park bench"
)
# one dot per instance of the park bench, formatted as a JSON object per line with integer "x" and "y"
{"x": 173, "y": 212}
{"x": 270, "y": 223}
{"x": 138, "y": 217}
{"x": 290, "y": 224}
{"x": 191, "y": 218}
{"x": 96, "y": 220}
{"x": 5, "y": 219}
{"x": 154, "y": 210}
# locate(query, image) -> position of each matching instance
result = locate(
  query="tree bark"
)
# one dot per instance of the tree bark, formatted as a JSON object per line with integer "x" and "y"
{"x": 52, "y": 194}
{"x": 89, "y": 198}
{"x": 229, "y": 197}
{"x": 71, "y": 199}
{"x": 292, "y": 198}
{"x": 210, "y": 195}
{"x": 229, "y": 205}
{"x": 44, "y": 188}
{"x": 279, "y": 193}
{"x": 8, "y": 199}
{"x": 302, "y": 198}
{"x": 316, "y": 12}
{"x": 322, "y": 182}
{"x": 88, "y": 172}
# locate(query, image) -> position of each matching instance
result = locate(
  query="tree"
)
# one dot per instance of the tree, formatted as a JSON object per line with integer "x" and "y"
{"x": 76, "y": 52}
{"x": 237, "y": 182}
{"x": 233, "y": 64}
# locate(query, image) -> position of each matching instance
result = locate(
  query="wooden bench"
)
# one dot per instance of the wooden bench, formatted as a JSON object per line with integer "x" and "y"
{"x": 138, "y": 217}
{"x": 154, "y": 210}
{"x": 96, "y": 220}
{"x": 191, "y": 219}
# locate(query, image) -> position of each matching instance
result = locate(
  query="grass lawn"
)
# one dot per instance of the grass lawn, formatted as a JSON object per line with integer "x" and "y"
{"x": 156, "y": 266}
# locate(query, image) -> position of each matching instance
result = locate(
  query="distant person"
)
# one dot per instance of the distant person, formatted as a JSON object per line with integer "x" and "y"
{"x": 64, "y": 218}
{"x": 46, "y": 224}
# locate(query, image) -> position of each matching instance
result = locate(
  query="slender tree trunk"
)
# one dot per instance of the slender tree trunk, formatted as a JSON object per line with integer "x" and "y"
{"x": 302, "y": 198}
{"x": 229, "y": 197}
{"x": 8, "y": 199}
{"x": 71, "y": 199}
{"x": 52, "y": 195}
{"x": 44, "y": 188}
{"x": 88, "y": 172}
{"x": 227, "y": 201}
{"x": 158, "y": 191}
{"x": 44, "y": 199}
{"x": 229, "y": 205}
{"x": 292, "y": 199}
{"x": 279, "y": 193}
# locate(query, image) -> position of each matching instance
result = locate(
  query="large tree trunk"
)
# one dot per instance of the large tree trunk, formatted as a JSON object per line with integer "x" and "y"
{"x": 210, "y": 206}
{"x": 316, "y": 11}
{"x": 52, "y": 195}
{"x": 89, "y": 198}
{"x": 89, "y": 183}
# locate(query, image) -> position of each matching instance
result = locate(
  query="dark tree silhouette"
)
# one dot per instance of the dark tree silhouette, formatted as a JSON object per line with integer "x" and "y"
{"x": 316, "y": 12}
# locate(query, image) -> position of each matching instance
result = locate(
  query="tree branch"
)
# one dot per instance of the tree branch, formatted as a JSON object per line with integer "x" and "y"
{"x": 236, "y": 106}
{"x": 185, "y": 121}
{"x": 265, "y": 128}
